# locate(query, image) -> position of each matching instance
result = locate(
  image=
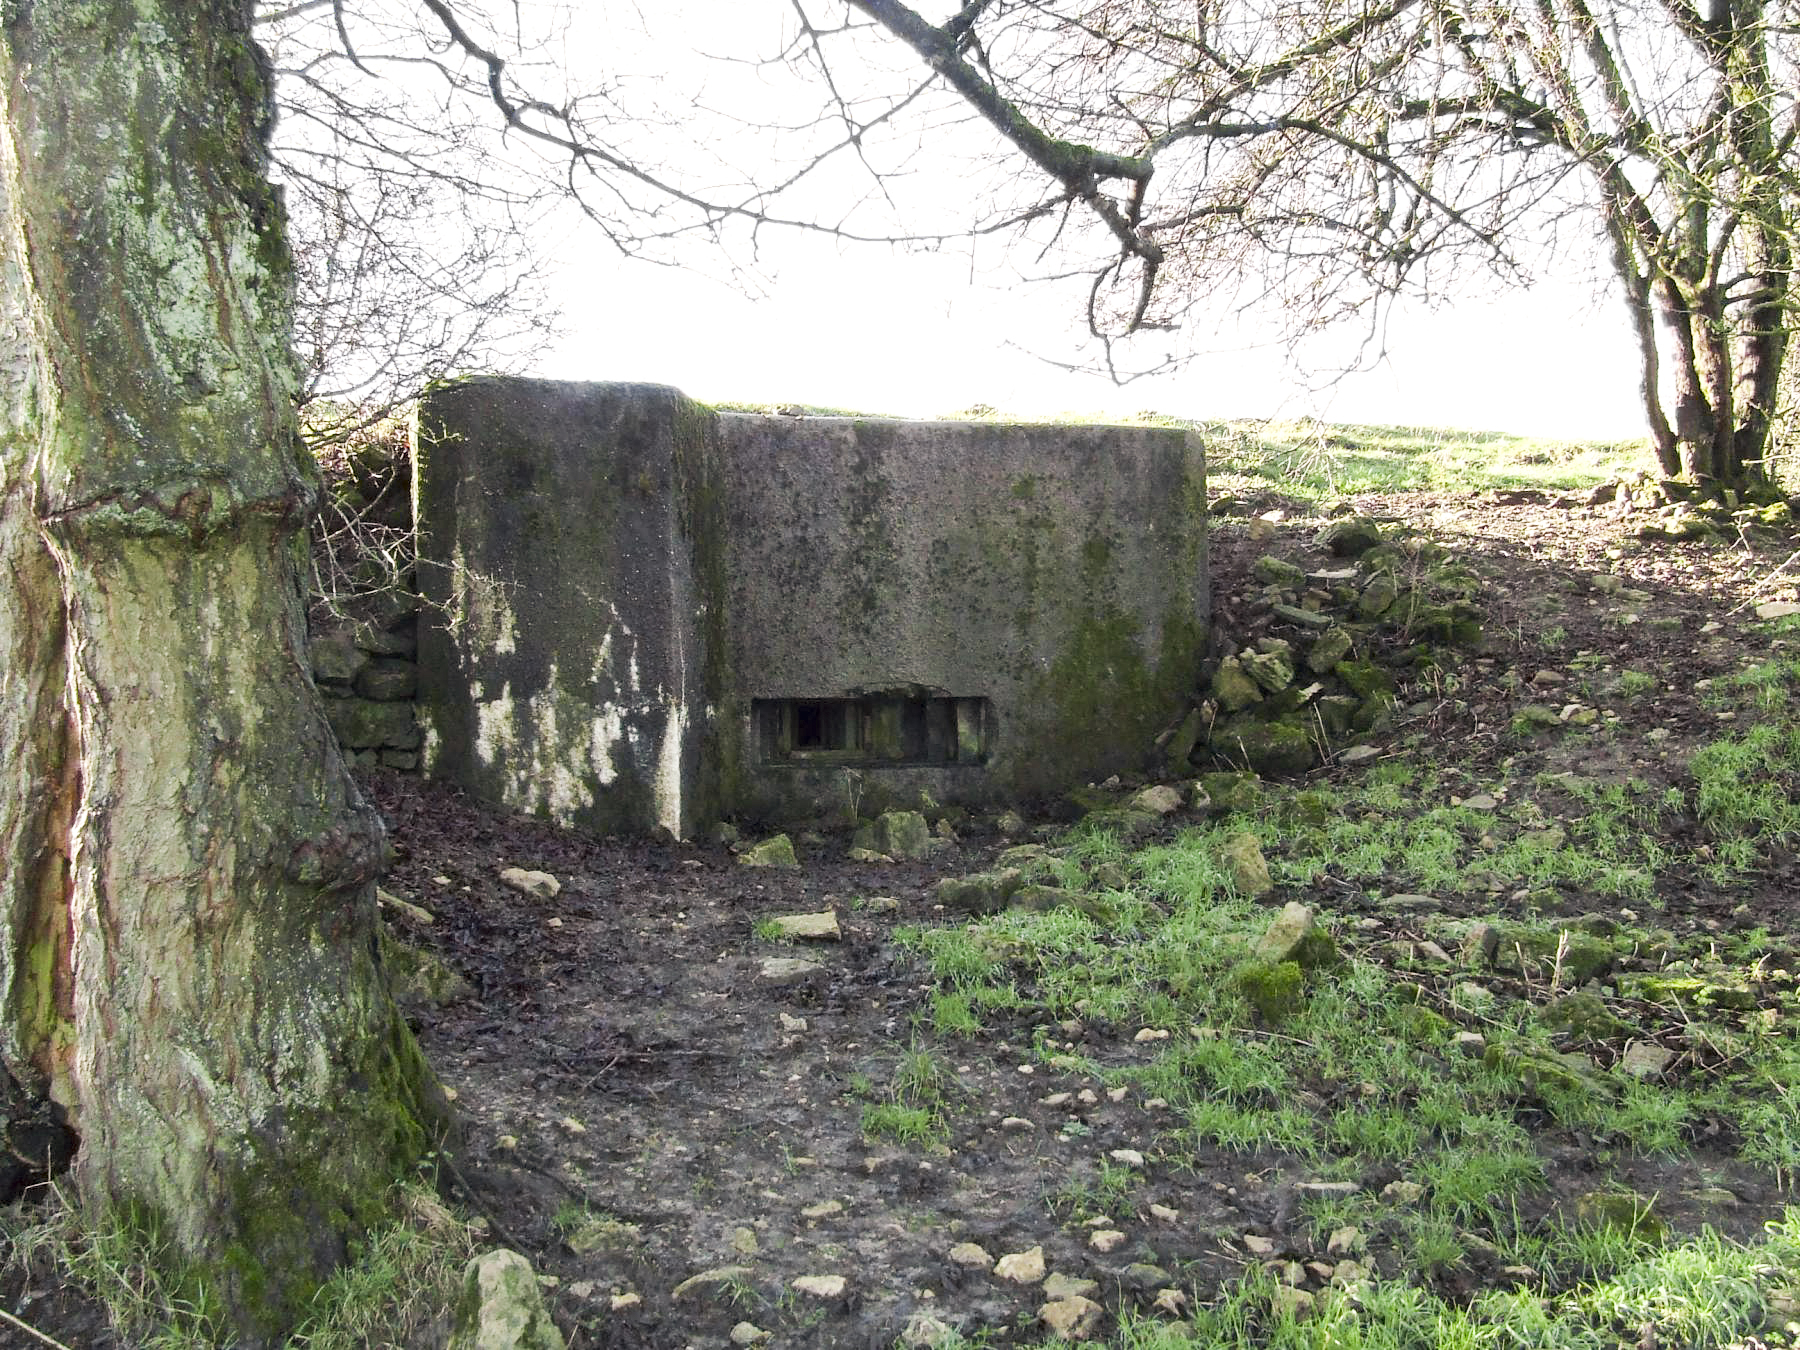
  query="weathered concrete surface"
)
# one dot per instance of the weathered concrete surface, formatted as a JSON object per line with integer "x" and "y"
{"x": 1057, "y": 571}
{"x": 562, "y": 650}
{"x": 621, "y": 584}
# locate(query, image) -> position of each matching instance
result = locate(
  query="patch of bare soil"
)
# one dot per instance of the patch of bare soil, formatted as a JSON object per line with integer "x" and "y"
{"x": 643, "y": 1103}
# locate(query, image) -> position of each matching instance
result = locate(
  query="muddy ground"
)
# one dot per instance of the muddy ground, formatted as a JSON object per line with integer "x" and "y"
{"x": 642, "y": 1105}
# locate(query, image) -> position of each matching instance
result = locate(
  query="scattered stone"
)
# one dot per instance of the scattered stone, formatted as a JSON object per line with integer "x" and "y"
{"x": 792, "y": 1024}
{"x": 898, "y": 834}
{"x": 1350, "y": 537}
{"x": 820, "y": 1286}
{"x": 1242, "y": 854}
{"x": 971, "y": 1256}
{"x": 1339, "y": 1188}
{"x": 1142, "y": 1276}
{"x": 776, "y": 852}
{"x": 1272, "y": 671}
{"x": 1294, "y": 935}
{"x": 1480, "y": 943}
{"x": 1481, "y": 801}
{"x": 1130, "y": 1157}
{"x": 1071, "y": 1319}
{"x": 502, "y": 1307}
{"x": 1148, "y": 1034}
{"x": 1471, "y": 1043}
{"x": 1644, "y": 1060}
{"x": 1777, "y": 609}
{"x": 924, "y": 1332}
{"x": 1257, "y": 1245}
{"x": 708, "y": 1280}
{"x": 1432, "y": 952}
{"x": 823, "y": 1210}
{"x": 788, "y": 970}
{"x": 1105, "y": 1240}
{"x": 407, "y": 908}
{"x": 820, "y": 927}
{"x": 1403, "y": 1192}
{"x": 867, "y": 855}
{"x": 538, "y": 885}
{"x": 1060, "y": 1286}
{"x": 1017, "y": 1124}
{"x": 1293, "y": 1304}
{"x": 1328, "y": 649}
{"x": 743, "y": 1241}
{"x": 418, "y": 975}
{"x": 1346, "y": 1241}
{"x": 981, "y": 893}
{"x": 1624, "y": 1211}
{"x": 1306, "y": 618}
{"x": 1233, "y": 687}
{"x": 748, "y": 1333}
{"x": 1358, "y": 754}
{"x": 1170, "y": 1301}
{"x": 1025, "y": 1267}
{"x": 1164, "y": 1213}
{"x": 1160, "y": 800}
{"x": 1273, "y": 571}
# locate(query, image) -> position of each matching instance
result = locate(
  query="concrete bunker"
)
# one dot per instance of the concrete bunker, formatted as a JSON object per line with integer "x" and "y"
{"x": 642, "y": 613}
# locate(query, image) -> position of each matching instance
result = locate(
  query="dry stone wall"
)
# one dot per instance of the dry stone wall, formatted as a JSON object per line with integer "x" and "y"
{"x": 368, "y": 673}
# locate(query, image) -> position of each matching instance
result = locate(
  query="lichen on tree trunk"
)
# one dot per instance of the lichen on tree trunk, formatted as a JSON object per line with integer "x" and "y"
{"x": 189, "y": 961}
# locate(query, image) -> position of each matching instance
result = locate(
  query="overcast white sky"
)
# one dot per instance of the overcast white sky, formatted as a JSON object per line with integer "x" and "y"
{"x": 912, "y": 336}
{"x": 922, "y": 334}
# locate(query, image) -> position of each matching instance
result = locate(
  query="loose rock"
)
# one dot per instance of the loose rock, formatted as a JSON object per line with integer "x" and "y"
{"x": 502, "y": 1308}
{"x": 538, "y": 885}
{"x": 1071, "y": 1319}
{"x": 1021, "y": 1267}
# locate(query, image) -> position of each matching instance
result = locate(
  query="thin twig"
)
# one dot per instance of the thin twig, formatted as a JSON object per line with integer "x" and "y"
{"x": 30, "y": 1330}
{"x": 1745, "y": 604}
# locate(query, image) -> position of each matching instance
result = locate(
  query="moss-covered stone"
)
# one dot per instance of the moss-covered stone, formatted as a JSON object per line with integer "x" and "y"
{"x": 1273, "y": 571}
{"x": 898, "y": 834}
{"x": 1294, "y": 935}
{"x": 1233, "y": 687}
{"x": 363, "y": 724}
{"x": 1350, "y": 537}
{"x": 1243, "y": 857}
{"x": 1624, "y": 1212}
{"x": 1277, "y": 748}
{"x": 1579, "y": 956}
{"x": 1275, "y": 989}
{"x": 1378, "y": 597}
{"x": 1365, "y": 679}
{"x": 1232, "y": 791}
{"x": 775, "y": 852}
{"x": 1693, "y": 991}
{"x": 1584, "y": 1016}
{"x": 1329, "y": 649}
{"x": 1273, "y": 671}
{"x": 981, "y": 893}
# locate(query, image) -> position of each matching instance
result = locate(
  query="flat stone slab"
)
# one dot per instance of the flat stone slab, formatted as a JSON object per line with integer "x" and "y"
{"x": 820, "y": 927}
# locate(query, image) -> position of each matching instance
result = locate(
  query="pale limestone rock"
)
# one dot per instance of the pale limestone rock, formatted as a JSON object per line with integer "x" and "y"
{"x": 1071, "y": 1319}
{"x": 971, "y": 1256}
{"x": 820, "y": 927}
{"x": 538, "y": 885}
{"x": 501, "y": 1307}
{"x": 1025, "y": 1267}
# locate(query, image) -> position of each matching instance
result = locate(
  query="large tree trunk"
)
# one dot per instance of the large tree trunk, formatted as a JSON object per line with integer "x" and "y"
{"x": 189, "y": 963}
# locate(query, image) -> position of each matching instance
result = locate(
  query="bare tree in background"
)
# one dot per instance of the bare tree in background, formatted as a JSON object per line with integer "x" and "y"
{"x": 1327, "y": 157}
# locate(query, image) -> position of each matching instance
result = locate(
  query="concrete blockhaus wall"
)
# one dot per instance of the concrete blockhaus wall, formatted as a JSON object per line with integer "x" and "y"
{"x": 643, "y": 614}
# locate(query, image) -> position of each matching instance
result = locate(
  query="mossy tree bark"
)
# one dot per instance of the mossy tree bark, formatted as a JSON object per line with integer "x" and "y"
{"x": 188, "y": 965}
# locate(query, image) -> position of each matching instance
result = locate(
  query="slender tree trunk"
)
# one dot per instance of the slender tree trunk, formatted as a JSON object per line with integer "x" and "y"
{"x": 219, "y": 1026}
